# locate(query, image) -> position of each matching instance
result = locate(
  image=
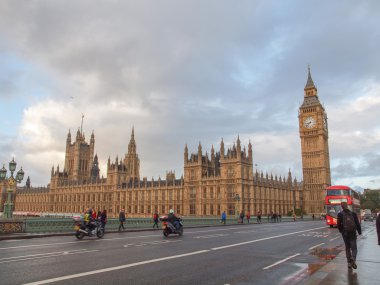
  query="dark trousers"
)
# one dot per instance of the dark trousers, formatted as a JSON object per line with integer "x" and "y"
{"x": 350, "y": 244}
{"x": 121, "y": 225}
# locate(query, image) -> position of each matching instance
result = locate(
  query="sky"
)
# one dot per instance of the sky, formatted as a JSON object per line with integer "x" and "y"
{"x": 189, "y": 72}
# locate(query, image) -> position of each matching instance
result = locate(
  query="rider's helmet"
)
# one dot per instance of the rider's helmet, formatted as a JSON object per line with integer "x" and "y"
{"x": 171, "y": 211}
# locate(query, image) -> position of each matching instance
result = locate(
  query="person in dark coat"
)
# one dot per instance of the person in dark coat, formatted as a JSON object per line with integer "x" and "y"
{"x": 378, "y": 228}
{"x": 349, "y": 237}
{"x": 121, "y": 220}
{"x": 103, "y": 219}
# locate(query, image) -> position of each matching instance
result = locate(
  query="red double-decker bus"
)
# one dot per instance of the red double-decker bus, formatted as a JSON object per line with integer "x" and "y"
{"x": 336, "y": 195}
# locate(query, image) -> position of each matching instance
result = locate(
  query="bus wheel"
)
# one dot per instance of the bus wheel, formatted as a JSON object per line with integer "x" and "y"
{"x": 331, "y": 226}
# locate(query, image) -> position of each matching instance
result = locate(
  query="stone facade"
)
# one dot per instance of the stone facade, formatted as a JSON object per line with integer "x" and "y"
{"x": 315, "y": 149}
{"x": 209, "y": 185}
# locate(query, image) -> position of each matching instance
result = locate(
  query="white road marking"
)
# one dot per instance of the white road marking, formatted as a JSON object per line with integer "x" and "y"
{"x": 114, "y": 268}
{"x": 72, "y": 276}
{"x": 310, "y": 248}
{"x": 39, "y": 245}
{"x": 217, "y": 230}
{"x": 30, "y": 255}
{"x": 211, "y": 236}
{"x": 245, "y": 232}
{"x": 261, "y": 239}
{"x": 151, "y": 243}
{"x": 281, "y": 261}
{"x": 47, "y": 256}
{"x": 334, "y": 238}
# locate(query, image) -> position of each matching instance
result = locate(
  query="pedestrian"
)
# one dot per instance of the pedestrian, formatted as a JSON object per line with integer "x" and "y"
{"x": 94, "y": 216}
{"x": 103, "y": 219}
{"x": 294, "y": 217}
{"x": 378, "y": 228}
{"x": 155, "y": 220}
{"x": 280, "y": 217}
{"x": 224, "y": 217}
{"x": 348, "y": 224}
{"x": 248, "y": 216}
{"x": 241, "y": 219}
{"x": 121, "y": 220}
{"x": 313, "y": 217}
{"x": 259, "y": 217}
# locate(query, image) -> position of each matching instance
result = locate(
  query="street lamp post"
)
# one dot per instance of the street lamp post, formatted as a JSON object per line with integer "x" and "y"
{"x": 11, "y": 183}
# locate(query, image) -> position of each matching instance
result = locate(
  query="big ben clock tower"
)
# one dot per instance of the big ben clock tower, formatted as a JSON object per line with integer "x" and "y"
{"x": 315, "y": 149}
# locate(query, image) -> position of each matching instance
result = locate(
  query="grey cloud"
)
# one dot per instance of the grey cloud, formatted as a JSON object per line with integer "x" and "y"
{"x": 197, "y": 71}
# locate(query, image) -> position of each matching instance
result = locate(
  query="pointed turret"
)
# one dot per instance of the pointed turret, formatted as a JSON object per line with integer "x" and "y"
{"x": 186, "y": 155}
{"x": 250, "y": 157}
{"x": 27, "y": 184}
{"x": 92, "y": 140}
{"x": 310, "y": 82}
{"x": 222, "y": 149}
{"x": 199, "y": 153}
{"x": 68, "y": 140}
{"x": 78, "y": 137}
{"x": 132, "y": 143}
{"x": 212, "y": 153}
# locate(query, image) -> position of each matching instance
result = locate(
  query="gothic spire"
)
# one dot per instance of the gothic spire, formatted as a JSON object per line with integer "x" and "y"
{"x": 310, "y": 82}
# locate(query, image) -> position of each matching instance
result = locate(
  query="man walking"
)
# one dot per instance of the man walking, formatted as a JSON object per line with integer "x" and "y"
{"x": 348, "y": 224}
{"x": 155, "y": 220}
{"x": 224, "y": 217}
{"x": 121, "y": 220}
{"x": 248, "y": 216}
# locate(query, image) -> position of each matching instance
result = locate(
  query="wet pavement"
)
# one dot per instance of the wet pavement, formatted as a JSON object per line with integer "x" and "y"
{"x": 336, "y": 272}
{"x": 328, "y": 268}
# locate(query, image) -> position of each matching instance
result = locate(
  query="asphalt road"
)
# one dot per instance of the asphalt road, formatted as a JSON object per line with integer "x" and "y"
{"x": 274, "y": 253}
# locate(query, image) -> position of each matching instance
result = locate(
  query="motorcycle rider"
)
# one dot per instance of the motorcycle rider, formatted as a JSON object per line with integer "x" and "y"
{"x": 89, "y": 221}
{"x": 173, "y": 219}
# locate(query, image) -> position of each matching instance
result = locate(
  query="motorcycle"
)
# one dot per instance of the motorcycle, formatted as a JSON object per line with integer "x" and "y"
{"x": 81, "y": 230}
{"x": 169, "y": 228}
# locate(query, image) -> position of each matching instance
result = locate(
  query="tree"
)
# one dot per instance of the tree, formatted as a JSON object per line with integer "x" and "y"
{"x": 370, "y": 199}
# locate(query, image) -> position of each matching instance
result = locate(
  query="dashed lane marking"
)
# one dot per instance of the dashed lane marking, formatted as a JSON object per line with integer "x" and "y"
{"x": 280, "y": 261}
{"x": 310, "y": 248}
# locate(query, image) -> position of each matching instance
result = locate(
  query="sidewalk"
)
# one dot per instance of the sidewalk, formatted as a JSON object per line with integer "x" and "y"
{"x": 368, "y": 261}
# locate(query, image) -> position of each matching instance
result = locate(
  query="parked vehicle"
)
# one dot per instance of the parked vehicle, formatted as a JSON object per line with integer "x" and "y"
{"x": 168, "y": 228}
{"x": 368, "y": 217}
{"x": 81, "y": 230}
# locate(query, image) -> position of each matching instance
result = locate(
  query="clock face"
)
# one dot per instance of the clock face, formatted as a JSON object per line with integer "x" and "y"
{"x": 309, "y": 122}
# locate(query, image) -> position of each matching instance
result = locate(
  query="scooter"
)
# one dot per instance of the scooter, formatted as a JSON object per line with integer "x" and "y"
{"x": 81, "y": 230}
{"x": 168, "y": 228}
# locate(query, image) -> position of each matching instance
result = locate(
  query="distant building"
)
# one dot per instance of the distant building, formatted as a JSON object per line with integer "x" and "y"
{"x": 209, "y": 185}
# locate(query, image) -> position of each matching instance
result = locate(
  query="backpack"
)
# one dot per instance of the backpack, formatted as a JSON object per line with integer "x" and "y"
{"x": 349, "y": 225}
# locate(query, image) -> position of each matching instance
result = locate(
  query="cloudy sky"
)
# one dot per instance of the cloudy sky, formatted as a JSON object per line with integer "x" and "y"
{"x": 184, "y": 72}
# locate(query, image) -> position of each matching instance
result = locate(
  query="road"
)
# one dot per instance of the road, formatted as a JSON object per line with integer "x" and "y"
{"x": 274, "y": 253}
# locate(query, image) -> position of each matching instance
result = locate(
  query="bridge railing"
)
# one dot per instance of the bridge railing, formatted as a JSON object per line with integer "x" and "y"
{"x": 49, "y": 225}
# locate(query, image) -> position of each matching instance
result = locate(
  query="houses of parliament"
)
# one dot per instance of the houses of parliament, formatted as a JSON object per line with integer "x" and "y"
{"x": 222, "y": 181}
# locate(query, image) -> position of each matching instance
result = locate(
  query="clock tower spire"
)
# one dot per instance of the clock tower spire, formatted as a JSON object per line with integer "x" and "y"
{"x": 315, "y": 150}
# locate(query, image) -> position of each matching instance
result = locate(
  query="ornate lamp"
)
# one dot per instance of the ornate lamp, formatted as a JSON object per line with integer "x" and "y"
{"x": 3, "y": 173}
{"x": 20, "y": 175}
{"x": 12, "y": 165}
{"x": 11, "y": 183}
